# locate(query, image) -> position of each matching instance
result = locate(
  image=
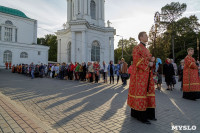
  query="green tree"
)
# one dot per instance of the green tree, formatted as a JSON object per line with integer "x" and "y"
{"x": 127, "y": 50}
{"x": 170, "y": 13}
{"x": 51, "y": 41}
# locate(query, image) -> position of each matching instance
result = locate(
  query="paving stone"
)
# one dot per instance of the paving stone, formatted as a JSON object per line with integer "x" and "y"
{"x": 71, "y": 106}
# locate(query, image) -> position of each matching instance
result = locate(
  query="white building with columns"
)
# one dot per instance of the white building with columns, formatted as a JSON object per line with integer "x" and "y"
{"x": 84, "y": 37}
{"x": 18, "y": 39}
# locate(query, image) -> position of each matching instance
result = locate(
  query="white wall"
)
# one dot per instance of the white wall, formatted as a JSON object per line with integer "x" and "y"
{"x": 32, "y": 51}
{"x": 27, "y": 28}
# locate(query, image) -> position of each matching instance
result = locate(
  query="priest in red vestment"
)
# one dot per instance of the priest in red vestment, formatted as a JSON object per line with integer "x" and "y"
{"x": 141, "y": 96}
{"x": 191, "y": 86}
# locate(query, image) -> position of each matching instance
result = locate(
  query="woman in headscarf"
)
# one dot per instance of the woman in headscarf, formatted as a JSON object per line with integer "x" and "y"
{"x": 159, "y": 72}
{"x": 168, "y": 72}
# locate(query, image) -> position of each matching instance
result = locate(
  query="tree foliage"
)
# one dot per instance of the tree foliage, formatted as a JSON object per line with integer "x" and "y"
{"x": 51, "y": 41}
{"x": 185, "y": 31}
{"x": 127, "y": 50}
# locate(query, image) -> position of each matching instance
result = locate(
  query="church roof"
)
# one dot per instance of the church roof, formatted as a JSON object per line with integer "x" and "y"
{"x": 12, "y": 11}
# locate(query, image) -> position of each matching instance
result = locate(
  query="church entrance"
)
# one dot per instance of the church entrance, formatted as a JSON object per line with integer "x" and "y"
{"x": 7, "y": 57}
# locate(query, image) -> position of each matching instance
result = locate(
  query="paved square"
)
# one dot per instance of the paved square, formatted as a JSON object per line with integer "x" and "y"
{"x": 71, "y": 106}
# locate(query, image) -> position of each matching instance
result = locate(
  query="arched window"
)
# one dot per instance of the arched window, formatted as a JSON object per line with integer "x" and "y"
{"x": 95, "y": 52}
{"x": 93, "y": 9}
{"x": 7, "y": 56}
{"x": 8, "y": 22}
{"x": 69, "y": 52}
{"x": 8, "y": 31}
{"x": 24, "y": 55}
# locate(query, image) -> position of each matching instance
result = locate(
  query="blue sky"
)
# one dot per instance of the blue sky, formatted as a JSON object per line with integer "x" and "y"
{"x": 129, "y": 17}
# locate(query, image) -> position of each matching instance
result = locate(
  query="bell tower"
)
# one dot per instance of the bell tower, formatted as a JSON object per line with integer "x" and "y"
{"x": 90, "y": 10}
{"x": 85, "y": 37}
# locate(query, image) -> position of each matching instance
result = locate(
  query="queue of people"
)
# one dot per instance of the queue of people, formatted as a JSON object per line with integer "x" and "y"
{"x": 79, "y": 72}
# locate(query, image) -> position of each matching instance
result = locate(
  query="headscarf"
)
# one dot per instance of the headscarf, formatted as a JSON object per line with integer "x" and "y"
{"x": 167, "y": 61}
{"x": 159, "y": 61}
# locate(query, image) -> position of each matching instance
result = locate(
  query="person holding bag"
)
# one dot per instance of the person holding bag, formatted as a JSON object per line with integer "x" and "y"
{"x": 124, "y": 71}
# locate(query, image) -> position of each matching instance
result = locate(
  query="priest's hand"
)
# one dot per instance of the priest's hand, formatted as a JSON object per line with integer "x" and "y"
{"x": 151, "y": 64}
{"x": 153, "y": 59}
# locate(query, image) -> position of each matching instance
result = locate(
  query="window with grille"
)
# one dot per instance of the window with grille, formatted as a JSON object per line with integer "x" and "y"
{"x": 8, "y": 34}
{"x": 24, "y": 55}
{"x": 8, "y": 22}
{"x": 95, "y": 52}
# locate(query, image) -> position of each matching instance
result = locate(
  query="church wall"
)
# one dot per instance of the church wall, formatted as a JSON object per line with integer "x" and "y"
{"x": 31, "y": 50}
{"x": 78, "y": 47}
{"x": 62, "y": 49}
{"x": 26, "y": 28}
{"x": 103, "y": 39}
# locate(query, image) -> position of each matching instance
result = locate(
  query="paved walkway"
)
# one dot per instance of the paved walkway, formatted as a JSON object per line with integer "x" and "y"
{"x": 50, "y": 105}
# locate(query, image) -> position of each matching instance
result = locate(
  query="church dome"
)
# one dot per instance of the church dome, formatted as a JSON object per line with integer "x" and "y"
{"x": 11, "y": 11}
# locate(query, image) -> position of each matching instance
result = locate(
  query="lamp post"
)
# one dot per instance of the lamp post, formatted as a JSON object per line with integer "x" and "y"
{"x": 122, "y": 45}
{"x": 197, "y": 33}
{"x": 198, "y": 47}
{"x": 156, "y": 21}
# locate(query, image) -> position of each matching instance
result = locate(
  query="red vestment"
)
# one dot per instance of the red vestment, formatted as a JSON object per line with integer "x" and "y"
{"x": 141, "y": 89}
{"x": 190, "y": 75}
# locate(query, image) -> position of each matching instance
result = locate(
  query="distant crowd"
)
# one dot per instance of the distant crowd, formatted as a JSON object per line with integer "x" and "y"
{"x": 91, "y": 71}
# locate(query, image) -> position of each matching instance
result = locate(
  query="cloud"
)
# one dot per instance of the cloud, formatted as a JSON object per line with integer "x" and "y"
{"x": 49, "y": 16}
{"x": 192, "y": 12}
{"x": 128, "y": 17}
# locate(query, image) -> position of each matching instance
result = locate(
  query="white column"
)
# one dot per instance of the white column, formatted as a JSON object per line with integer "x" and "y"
{"x": 73, "y": 47}
{"x": 76, "y": 7}
{"x": 103, "y": 9}
{"x": 112, "y": 49}
{"x": 58, "y": 50}
{"x": 2, "y": 33}
{"x": 13, "y": 34}
{"x": 88, "y": 7}
{"x": 82, "y": 6}
{"x": 68, "y": 10}
{"x": 100, "y": 9}
{"x": 85, "y": 6}
{"x": 84, "y": 44}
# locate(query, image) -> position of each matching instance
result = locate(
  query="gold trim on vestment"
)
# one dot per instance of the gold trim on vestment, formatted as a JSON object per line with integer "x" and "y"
{"x": 147, "y": 68}
{"x": 141, "y": 96}
{"x": 151, "y": 95}
{"x": 192, "y": 84}
{"x": 190, "y": 64}
{"x": 139, "y": 62}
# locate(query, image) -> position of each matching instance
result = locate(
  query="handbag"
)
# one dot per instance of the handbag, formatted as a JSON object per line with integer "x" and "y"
{"x": 101, "y": 71}
{"x": 125, "y": 75}
{"x": 90, "y": 75}
{"x": 174, "y": 80}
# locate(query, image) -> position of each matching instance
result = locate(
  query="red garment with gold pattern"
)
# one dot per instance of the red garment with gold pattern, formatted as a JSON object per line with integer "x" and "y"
{"x": 139, "y": 98}
{"x": 190, "y": 75}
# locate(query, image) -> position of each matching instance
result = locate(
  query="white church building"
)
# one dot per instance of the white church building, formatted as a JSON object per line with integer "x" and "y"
{"x": 18, "y": 39}
{"x": 85, "y": 37}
